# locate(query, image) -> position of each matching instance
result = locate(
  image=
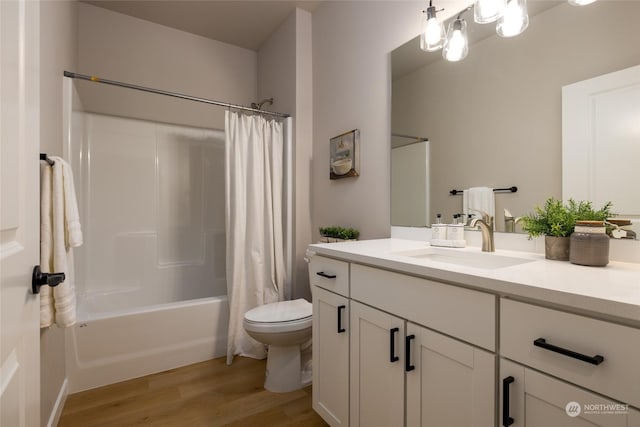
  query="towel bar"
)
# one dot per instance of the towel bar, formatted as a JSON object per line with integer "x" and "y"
{"x": 495, "y": 190}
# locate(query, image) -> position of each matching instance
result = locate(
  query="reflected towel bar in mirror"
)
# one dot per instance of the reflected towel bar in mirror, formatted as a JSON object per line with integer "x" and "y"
{"x": 495, "y": 190}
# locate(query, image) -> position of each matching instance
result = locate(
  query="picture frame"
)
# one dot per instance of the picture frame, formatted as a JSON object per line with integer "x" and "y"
{"x": 344, "y": 155}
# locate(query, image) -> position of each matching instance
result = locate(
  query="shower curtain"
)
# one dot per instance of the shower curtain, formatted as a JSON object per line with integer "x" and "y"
{"x": 254, "y": 222}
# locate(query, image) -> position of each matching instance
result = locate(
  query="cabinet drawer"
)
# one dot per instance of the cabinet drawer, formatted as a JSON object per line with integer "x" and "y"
{"x": 329, "y": 274}
{"x": 617, "y": 375}
{"x": 462, "y": 313}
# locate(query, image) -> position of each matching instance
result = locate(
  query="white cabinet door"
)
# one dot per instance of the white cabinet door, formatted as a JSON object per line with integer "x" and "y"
{"x": 453, "y": 383}
{"x": 331, "y": 357}
{"x": 19, "y": 213}
{"x": 531, "y": 399}
{"x": 377, "y": 368}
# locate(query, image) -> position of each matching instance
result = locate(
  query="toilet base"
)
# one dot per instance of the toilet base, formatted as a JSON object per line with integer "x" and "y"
{"x": 284, "y": 369}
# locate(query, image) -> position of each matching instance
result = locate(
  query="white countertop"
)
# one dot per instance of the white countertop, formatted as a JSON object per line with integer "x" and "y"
{"x": 613, "y": 290}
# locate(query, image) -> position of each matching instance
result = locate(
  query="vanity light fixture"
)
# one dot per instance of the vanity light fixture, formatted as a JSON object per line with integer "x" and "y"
{"x": 456, "y": 47}
{"x": 514, "y": 20}
{"x": 580, "y": 2}
{"x": 432, "y": 34}
{"x": 486, "y": 11}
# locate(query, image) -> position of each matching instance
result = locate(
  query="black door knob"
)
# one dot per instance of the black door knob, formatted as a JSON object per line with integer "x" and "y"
{"x": 39, "y": 279}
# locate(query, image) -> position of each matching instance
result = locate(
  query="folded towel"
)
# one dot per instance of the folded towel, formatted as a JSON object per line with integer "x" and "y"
{"x": 60, "y": 232}
{"x": 479, "y": 200}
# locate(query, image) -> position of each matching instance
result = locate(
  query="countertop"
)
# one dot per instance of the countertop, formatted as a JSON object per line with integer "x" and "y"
{"x": 611, "y": 291}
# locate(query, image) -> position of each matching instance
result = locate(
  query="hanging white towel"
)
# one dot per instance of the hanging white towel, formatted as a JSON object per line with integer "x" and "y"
{"x": 60, "y": 231}
{"x": 479, "y": 200}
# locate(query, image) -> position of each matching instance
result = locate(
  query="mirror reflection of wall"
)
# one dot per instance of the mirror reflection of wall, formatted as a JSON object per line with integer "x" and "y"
{"x": 409, "y": 180}
{"x": 494, "y": 119}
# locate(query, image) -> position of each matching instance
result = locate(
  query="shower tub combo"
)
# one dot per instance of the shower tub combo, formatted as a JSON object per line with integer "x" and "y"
{"x": 150, "y": 277}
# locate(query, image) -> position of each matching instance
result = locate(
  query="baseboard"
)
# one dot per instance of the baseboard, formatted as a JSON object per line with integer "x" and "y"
{"x": 56, "y": 412}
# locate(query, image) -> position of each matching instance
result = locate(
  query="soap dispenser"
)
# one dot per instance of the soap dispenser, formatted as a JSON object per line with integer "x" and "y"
{"x": 438, "y": 231}
{"x": 455, "y": 233}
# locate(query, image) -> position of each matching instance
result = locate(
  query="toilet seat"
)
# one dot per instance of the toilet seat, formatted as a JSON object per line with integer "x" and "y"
{"x": 282, "y": 316}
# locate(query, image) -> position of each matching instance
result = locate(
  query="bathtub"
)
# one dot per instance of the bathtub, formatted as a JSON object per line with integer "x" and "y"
{"x": 106, "y": 348}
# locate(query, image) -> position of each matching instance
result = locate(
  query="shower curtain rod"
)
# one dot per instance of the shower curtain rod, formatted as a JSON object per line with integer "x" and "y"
{"x": 167, "y": 93}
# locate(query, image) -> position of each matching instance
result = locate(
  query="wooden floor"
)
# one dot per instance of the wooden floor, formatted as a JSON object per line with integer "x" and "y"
{"x": 206, "y": 394}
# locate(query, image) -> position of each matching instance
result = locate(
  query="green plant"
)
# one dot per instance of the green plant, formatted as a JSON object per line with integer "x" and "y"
{"x": 584, "y": 211}
{"x": 557, "y": 219}
{"x": 339, "y": 232}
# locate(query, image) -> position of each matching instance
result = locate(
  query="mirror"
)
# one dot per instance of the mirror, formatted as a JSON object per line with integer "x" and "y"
{"x": 495, "y": 118}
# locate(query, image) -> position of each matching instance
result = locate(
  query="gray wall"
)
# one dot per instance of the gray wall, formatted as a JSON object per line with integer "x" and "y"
{"x": 352, "y": 42}
{"x": 119, "y": 47}
{"x": 284, "y": 73}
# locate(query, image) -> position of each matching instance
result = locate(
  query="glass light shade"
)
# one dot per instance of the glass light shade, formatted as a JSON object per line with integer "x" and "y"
{"x": 432, "y": 34}
{"x": 486, "y": 11}
{"x": 580, "y": 2}
{"x": 456, "y": 47}
{"x": 514, "y": 20}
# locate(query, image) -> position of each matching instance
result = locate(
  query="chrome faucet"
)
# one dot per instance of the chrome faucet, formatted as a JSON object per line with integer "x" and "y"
{"x": 486, "y": 227}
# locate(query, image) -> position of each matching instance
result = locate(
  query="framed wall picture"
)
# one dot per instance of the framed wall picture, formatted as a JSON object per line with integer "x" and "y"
{"x": 344, "y": 155}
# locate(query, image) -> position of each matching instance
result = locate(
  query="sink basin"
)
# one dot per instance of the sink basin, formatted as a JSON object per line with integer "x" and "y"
{"x": 485, "y": 260}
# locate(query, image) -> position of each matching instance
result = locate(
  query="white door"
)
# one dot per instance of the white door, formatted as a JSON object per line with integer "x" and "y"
{"x": 376, "y": 368}
{"x": 452, "y": 384}
{"x": 19, "y": 213}
{"x": 601, "y": 141}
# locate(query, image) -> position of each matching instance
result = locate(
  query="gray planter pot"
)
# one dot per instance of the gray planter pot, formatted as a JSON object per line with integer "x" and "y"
{"x": 556, "y": 248}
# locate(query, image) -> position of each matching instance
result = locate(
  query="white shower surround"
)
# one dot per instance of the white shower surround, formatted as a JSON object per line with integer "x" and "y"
{"x": 151, "y": 199}
{"x": 150, "y": 279}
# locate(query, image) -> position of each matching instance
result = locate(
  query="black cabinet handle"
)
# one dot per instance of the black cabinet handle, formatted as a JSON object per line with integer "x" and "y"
{"x": 340, "y": 328}
{"x": 506, "y": 419}
{"x": 325, "y": 275}
{"x": 392, "y": 345}
{"x": 407, "y": 353}
{"x": 594, "y": 360}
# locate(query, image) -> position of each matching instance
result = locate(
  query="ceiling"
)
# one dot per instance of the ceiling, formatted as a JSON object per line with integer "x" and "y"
{"x": 238, "y": 22}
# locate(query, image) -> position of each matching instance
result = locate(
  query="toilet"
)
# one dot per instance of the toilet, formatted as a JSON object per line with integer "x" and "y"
{"x": 285, "y": 326}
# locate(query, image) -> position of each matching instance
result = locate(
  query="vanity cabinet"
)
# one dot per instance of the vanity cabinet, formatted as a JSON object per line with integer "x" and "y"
{"x": 398, "y": 370}
{"x": 524, "y": 346}
{"x": 376, "y": 367}
{"x": 330, "y": 354}
{"x": 449, "y": 383}
{"x": 532, "y": 399}
{"x": 596, "y": 355}
{"x": 329, "y": 280}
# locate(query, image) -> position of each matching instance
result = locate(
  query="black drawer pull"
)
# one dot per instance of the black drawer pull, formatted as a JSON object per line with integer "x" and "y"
{"x": 407, "y": 353}
{"x": 594, "y": 360}
{"x": 392, "y": 345}
{"x": 325, "y": 275}
{"x": 506, "y": 419}
{"x": 340, "y": 328}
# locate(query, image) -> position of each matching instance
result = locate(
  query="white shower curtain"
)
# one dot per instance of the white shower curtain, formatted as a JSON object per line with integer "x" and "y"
{"x": 254, "y": 222}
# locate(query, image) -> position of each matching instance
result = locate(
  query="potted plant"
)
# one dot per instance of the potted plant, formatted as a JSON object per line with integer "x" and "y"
{"x": 556, "y": 221}
{"x": 338, "y": 234}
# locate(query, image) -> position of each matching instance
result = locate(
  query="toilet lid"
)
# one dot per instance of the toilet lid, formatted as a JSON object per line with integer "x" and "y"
{"x": 282, "y": 311}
